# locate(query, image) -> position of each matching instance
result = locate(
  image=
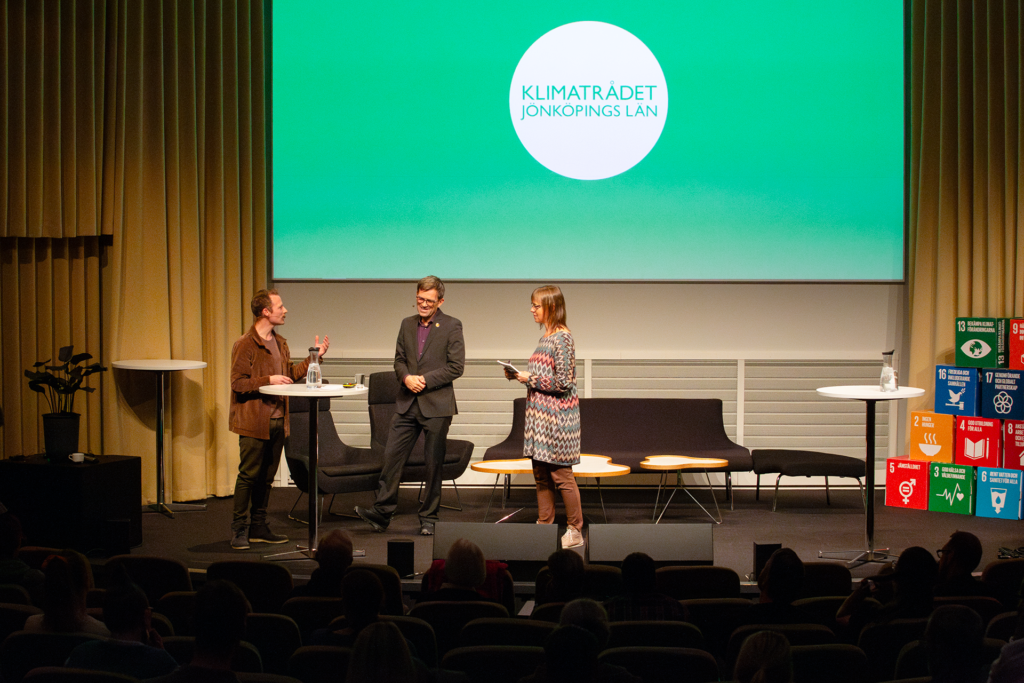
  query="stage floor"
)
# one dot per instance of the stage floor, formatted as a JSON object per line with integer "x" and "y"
{"x": 803, "y": 522}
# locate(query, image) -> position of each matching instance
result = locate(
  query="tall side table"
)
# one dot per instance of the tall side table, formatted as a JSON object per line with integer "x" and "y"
{"x": 870, "y": 394}
{"x": 161, "y": 367}
{"x": 327, "y": 391}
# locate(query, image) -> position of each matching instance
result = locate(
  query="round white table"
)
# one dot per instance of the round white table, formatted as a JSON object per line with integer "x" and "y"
{"x": 595, "y": 466}
{"x": 870, "y": 394}
{"x": 678, "y": 463}
{"x": 161, "y": 367}
{"x": 327, "y": 391}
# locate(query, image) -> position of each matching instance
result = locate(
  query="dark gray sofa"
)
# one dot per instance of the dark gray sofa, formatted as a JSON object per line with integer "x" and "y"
{"x": 629, "y": 429}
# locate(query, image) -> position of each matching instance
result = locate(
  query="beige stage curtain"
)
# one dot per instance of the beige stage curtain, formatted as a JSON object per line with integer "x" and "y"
{"x": 966, "y": 190}
{"x": 178, "y": 169}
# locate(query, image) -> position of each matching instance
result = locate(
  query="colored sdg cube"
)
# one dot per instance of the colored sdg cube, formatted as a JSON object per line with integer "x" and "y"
{"x": 998, "y": 493}
{"x": 906, "y": 483}
{"x": 951, "y": 488}
{"x": 1016, "y": 360}
{"x": 931, "y": 436}
{"x": 1013, "y": 444}
{"x": 957, "y": 390}
{"x": 981, "y": 342}
{"x": 1002, "y": 394}
{"x": 979, "y": 442}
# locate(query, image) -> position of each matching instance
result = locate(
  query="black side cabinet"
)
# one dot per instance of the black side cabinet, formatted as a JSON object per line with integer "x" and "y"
{"x": 84, "y": 506}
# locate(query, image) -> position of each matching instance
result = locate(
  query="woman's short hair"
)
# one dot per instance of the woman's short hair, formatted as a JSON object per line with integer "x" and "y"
{"x": 381, "y": 655}
{"x": 553, "y": 304}
{"x": 588, "y": 614}
{"x": 764, "y": 658}
{"x": 465, "y": 565}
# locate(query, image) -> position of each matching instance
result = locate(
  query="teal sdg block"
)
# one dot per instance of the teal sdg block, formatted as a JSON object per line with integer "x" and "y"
{"x": 998, "y": 493}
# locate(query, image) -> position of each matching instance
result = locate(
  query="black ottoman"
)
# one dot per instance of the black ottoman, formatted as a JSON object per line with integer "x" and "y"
{"x": 804, "y": 464}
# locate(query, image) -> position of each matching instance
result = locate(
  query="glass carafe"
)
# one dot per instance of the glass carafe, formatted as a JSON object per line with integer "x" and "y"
{"x": 888, "y": 379}
{"x": 313, "y": 377}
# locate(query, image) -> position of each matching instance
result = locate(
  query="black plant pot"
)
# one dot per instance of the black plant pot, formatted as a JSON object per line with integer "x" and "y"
{"x": 60, "y": 434}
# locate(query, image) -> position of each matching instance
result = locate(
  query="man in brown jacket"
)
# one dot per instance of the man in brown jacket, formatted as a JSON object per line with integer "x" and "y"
{"x": 260, "y": 357}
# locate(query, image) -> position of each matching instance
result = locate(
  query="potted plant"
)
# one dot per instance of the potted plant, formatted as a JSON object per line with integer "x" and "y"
{"x": 60, "y": 383}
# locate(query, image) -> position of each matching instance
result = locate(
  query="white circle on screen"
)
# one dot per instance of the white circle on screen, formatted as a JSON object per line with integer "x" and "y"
{"x": 588, "y": 100}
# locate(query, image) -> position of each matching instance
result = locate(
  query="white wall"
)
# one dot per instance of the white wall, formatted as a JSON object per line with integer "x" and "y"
{"x": 638, "y": 321}
{"x": 739, "y": 322}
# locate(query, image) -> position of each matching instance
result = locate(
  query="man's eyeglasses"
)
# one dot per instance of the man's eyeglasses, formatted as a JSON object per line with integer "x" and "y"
{"x": 426, "y": 302}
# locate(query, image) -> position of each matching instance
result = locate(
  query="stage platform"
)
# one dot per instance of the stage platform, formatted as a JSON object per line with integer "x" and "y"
{"x": 803, "y": 522}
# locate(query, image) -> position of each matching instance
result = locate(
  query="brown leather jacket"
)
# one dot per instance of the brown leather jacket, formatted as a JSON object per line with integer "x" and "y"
{"x": 252, "y": 364}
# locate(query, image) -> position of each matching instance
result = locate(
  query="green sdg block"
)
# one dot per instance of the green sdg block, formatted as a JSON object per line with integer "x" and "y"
{"x": 951, "y": 488}
{"x": 982, "y": 342}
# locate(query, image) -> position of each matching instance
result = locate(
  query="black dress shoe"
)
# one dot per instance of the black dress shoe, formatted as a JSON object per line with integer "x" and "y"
{"x": 427, "y": 529}
{"x": 371, "y": 517}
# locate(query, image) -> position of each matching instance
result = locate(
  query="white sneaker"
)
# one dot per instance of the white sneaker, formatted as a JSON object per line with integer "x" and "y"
{"x": 572, "y": 538}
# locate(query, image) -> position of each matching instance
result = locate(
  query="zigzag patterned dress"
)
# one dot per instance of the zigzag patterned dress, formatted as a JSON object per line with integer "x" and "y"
{"x": 552, "y": 432}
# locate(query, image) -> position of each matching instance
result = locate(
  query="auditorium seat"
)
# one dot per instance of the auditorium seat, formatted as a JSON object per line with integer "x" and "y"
{"x": 1003, "y": 578}
{"x": 832, "y": 662}
{"x": 22, "y": 651}
{"x": 266, "y": 584}
{"x": 664, "y": 664}
{"x": 1002, "y": 626}
{"x": 61, "y": 674}
{"x": 655, "y": 634}
{"x": 825, "y": 579}
{"x": 494, "y": 663}
{"x": 447, "y": 617}
{"x": 686, "y": 583}
{"x": 797, "y": 634}
{"x": 420, "y": 634}
{"x": 882, "y": 644}
{"x": 505, "y": 631}
{"x": 312, "y": 612}
{"x": 319, "y": 663}
{"x": 156, "y": 576}
{"x": 183, "y": 648}
{"x": 276, "y": 637}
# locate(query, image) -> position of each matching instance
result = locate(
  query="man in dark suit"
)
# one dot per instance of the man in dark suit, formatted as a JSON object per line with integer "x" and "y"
{"x": 429, "y": 356}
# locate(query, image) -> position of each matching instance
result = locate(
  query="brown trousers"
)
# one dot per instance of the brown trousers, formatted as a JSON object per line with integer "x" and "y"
{"x": 551, "y": 477}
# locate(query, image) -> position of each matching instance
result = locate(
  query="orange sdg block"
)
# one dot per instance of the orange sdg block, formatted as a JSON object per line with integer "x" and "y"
{"x": 931, "y": 436}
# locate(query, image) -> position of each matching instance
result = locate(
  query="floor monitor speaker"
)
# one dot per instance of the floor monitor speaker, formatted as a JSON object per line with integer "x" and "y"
{"x": 504, "y": 542}
{"x": 664, "y": 543}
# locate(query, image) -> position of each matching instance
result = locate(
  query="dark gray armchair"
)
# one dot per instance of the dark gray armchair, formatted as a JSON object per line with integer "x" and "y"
{"x": 341, "y": 468}
{"x": 381, "y": 400}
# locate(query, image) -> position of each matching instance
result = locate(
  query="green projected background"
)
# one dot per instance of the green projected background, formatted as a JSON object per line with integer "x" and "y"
{"x": 394, "y": 151}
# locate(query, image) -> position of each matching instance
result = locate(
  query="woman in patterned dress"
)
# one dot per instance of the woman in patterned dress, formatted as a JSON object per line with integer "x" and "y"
{"x": 552, "y": 438}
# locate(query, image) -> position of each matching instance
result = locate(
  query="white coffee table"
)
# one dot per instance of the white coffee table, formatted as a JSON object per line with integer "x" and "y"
{"x": 161, "y": 367}
{"x": 590, "y": 465}
{"x": 870, "y": 394}
{"x": 327, "y": 391}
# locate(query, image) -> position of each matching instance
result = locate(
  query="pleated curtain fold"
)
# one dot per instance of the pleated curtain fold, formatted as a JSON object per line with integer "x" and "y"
{"x": 141, "y": 124}
{"x": 965, "y": 182}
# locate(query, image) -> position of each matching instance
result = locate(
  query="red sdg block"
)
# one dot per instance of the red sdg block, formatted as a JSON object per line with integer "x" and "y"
{"x": 1013, "y": 444}
{"x": 906, "y": 483}
{"x": 1017, "y": 344}
{"x": 979, "y": 442}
